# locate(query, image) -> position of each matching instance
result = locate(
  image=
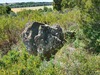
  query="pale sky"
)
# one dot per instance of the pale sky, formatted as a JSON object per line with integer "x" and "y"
{"x": 12, "y": 1}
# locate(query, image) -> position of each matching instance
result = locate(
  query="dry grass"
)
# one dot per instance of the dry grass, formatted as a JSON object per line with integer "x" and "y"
{"x": 29, "y": 8}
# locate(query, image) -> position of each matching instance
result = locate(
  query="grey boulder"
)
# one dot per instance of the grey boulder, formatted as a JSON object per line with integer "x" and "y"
{"x": 42, "y": 39}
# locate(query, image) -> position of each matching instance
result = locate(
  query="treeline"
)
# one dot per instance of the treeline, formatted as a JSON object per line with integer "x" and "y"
{"x": 27, "y": 4}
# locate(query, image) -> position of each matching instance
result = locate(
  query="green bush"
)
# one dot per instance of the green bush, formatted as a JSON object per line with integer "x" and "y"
{"x": 5, "y": 10}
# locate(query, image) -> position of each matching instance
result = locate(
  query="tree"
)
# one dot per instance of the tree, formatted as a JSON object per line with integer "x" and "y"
{"x": 57, "y": 4}
{"x": 62, "y": 4}
{"x": 8, "y": 9}
{"x": 5, "y": 10}
{"x": 67, "y": 4}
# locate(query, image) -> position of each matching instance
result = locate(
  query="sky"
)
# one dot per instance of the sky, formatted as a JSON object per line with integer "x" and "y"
{"x": 12, "y": 1}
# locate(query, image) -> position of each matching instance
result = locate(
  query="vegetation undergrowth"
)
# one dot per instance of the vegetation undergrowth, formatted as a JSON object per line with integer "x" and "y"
{"x": 80, "y": 55}
{"x": 66, "y": 62}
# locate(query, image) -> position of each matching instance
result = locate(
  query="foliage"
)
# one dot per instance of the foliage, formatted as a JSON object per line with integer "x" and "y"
{"x": 72, "y": 63}
{"x": 5, "y": 10}
{"x": 91, "y": 25}
{"x": 78, "y": 62}
{"x": 88, "y": 22}
{"x": 46, "y": 9}
{"x": 74, "y": 58}
{"x": 82, "y": 4}
{"x": 57, "y": 4}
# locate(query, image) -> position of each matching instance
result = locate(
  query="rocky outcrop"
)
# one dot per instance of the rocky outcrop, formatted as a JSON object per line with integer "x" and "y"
{"x": 42, "y": 39}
